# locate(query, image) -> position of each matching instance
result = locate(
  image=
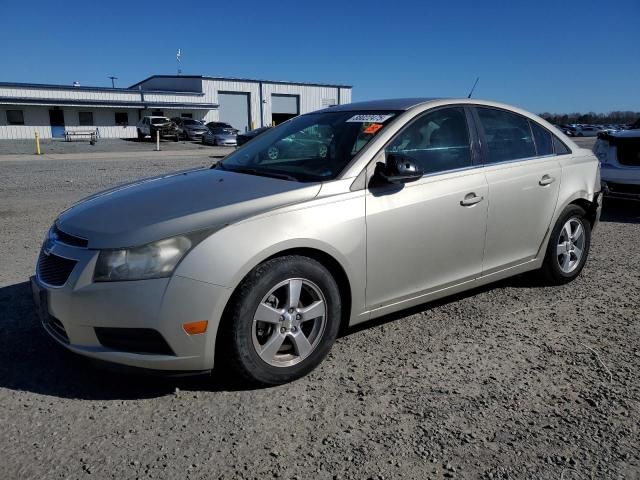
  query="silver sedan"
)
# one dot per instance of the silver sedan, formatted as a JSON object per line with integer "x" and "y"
{"x": 256, "y": 264}
{"x": 220, "y": 137}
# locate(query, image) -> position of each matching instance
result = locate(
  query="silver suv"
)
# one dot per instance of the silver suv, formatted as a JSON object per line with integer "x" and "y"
{"x": 256, "y": 263}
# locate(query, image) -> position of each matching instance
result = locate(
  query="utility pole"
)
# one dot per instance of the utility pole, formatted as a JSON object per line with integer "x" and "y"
{"x": 113, "y": 81}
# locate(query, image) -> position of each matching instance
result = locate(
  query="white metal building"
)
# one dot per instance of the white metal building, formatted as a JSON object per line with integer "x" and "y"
{"x": 53, "y": 109}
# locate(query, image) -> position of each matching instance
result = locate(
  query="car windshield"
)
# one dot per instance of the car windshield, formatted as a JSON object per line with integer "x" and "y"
{"x": 158, "y": 121}
{"x": 192, "y": 122}
{"x": 224, "y": 131}
{"x": 309, "y": 148}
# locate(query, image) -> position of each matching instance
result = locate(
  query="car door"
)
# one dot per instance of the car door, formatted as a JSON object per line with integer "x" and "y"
{"x": 524, "y": 178}
{"x": 429, "y": 234}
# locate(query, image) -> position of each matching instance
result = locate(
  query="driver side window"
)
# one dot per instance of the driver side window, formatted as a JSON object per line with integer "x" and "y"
{"x": 437, "y": 141}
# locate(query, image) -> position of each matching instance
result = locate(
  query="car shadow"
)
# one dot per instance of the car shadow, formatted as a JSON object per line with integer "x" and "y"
{"x": 620, "y": 211}
{"x": 32, "y": 361}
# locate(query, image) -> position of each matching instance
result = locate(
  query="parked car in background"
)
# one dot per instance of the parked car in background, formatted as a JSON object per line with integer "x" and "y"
{"x": 250, "y": 135}
{"x": 257, "y": 263}
{"x": 212, "y": 125}
{"x": 584, "y": 131}
{"x": 189, "y": 128}
{"x": 149, "y": 126}
{"x": 309, "y": 142}
{"x": 220, "y": 137}
{"x": 619, "y": 155}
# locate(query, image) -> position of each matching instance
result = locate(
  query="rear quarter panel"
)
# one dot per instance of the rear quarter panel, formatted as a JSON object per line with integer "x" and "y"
{"x": 580, "y": 179}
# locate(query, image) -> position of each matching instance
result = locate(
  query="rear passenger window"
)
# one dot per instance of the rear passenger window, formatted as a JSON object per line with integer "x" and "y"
{"x": 437, "y": 141}
{"x": 507, "y": 135}
{"x": 559, "y": 147}
{"x": 542, "y": 137}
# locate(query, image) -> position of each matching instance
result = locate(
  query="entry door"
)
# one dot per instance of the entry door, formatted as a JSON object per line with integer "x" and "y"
{"x": 56, "y": 119}
{"x": 523, "y": 189}
{"x": 429, "y": 234}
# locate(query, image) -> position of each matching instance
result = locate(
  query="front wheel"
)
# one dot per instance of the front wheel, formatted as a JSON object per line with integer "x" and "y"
{"x": 281, "y": 322}
{"x": 568, "y": 247}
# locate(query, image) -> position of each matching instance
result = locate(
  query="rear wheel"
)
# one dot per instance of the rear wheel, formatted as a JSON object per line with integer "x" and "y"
{"x": 282, "y": 321}
{"x": 140, "y": 135}
{"x": 568, "y": 247}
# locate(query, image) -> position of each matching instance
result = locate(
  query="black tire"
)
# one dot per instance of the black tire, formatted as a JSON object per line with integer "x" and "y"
{"x": 140, "y": 135}
{"x": 236, "y": 353}
{"x": 551, "y": 272}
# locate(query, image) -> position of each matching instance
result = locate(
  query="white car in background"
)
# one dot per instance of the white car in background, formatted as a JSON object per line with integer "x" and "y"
{"x": 619, "y": 155}
{"x": 150, "y": 125}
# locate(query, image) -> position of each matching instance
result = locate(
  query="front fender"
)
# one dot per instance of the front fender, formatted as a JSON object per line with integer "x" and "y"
{"x": 334, "y": 226}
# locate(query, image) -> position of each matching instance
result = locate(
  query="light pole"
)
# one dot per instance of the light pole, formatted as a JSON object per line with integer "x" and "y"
{"x": 113, "y": 81}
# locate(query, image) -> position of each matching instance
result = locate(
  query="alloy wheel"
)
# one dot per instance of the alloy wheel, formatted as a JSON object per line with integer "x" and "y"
{"x": 289, "y": 322}
{"x": 570, "y": 246}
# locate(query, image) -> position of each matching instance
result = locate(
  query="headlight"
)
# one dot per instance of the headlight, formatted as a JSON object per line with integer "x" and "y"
{"x": 154, "y": 260}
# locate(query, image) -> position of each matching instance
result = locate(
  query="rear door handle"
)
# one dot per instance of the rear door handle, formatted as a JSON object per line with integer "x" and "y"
{"x": 546, "y": 180}
{"x": 470, "y": 199}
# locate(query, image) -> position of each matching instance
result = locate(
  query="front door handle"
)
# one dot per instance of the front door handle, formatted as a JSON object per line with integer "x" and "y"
{"x": 546, "y": 180}
{"x": 470, "y": 199}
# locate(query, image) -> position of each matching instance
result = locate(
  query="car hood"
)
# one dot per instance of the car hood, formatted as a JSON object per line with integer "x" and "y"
{"x": 154, "y": 208}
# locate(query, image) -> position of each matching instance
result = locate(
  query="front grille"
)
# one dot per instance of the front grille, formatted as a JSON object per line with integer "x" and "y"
{"x": 623, "y": 188}
{"x": 57, "y": 328}
{"x": 54, "y": 270}
{"x": 133, "y": 340}
{"x": 69, "y": 239}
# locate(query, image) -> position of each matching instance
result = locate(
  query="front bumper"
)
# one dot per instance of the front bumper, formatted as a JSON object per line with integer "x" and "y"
{"x": 72, "y": 312}
{"x": 195, "y": 133}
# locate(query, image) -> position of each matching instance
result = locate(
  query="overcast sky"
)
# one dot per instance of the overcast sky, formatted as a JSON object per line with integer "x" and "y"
{"x": 541, "y": 55}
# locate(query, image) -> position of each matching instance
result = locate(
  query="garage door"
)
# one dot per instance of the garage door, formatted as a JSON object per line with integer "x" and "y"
{"x": 234, "y": 109}
{"x": 284, "y": 107}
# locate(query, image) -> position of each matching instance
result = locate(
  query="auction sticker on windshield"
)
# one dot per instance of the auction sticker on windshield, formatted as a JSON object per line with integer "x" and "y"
{"x": 370, "y": 118}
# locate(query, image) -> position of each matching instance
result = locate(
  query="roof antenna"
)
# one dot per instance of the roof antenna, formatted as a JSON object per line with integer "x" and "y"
{"x": 474, "y": 87}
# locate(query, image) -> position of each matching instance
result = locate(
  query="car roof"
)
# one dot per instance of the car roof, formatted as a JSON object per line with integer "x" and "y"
{"x": 387, "y": 104}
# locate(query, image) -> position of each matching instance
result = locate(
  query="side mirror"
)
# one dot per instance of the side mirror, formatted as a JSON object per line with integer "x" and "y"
{"x": 399, "y": 168}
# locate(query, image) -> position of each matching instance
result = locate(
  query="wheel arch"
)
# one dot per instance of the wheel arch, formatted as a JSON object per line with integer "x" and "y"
{"x": 590, "y": 207}
{"x": 329, "y": 261}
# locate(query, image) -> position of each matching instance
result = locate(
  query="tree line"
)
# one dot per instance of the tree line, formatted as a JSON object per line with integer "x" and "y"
{"x": 591, "y": 117}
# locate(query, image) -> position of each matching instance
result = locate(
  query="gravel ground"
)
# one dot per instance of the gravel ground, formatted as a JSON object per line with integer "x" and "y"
{"x": 509, "y": 381}
{"x": 27, "y": 147}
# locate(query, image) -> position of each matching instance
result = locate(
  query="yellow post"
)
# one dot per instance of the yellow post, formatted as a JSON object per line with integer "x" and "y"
{"x": 37, "y": 143}
{"x": 253, "y": 126}
{"x": 273, "y": 123}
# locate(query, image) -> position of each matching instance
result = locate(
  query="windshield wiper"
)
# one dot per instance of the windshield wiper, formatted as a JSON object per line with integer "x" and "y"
{"x": 260, "y": 173}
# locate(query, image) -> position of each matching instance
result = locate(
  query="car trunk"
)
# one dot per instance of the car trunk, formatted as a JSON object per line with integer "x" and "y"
{"x": 627, "y": 148}
{"x": 628, "y": 151}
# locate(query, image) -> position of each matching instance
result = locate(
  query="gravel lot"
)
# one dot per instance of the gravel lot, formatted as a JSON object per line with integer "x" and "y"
{"x": 509, "y": 381}
{"x": 47, "y": 146}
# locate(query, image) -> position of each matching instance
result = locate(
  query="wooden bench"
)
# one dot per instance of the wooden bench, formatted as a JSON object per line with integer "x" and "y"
{"x": 70, "y": 135}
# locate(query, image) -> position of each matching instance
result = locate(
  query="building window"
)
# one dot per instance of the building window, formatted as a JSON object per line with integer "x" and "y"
{"x": 157, "y": 113}
{"x": 122, "y": 118}
{"x": 85, "y": 119}
{"x": 186, "y": 115}
{"x": 15, "y": 117}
